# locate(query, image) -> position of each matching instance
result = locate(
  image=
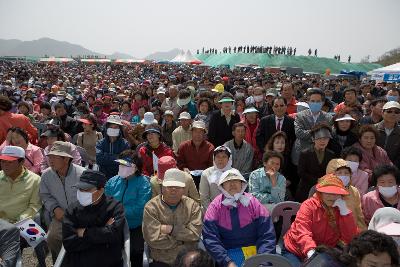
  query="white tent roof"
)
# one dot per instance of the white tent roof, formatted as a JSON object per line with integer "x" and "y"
{"x": 395, "y": 68}
{"x": 179, "y": 57}
{"x": 184, "y": 57}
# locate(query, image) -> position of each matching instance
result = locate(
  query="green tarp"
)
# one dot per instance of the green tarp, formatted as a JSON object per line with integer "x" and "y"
{"x": 308, "y": 64}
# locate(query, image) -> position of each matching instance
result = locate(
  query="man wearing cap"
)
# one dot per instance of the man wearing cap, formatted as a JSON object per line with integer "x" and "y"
{"x": 183, "y": 132}
{"x": 171, "y": 221}
{"x": 19, "y": 187}
{"x": 93, "y": 226}
{"x": 153, "y": 148}
{"x": 222, "y": 121}
{"x": 8, "y": 120}
{"x": 196, "y": 154}
{"x": 57, "y": 191}
{"x": 165, "y": 163}
{"x": 276, "y": 122}
{"x": 389, "y": 131}
{"x": 242, "y": 151}
{"x": 108, "y": 148}
{"x": 51, "y": 137}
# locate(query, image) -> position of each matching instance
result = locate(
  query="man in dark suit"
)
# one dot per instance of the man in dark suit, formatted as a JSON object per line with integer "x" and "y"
{"x": 278, "y": 121}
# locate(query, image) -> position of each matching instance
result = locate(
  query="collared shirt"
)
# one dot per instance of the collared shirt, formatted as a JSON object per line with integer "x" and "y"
{"x": 19, "y": 198}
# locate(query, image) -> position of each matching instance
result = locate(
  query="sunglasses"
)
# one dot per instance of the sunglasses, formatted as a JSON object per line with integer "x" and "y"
{"x": 393, "y": 111}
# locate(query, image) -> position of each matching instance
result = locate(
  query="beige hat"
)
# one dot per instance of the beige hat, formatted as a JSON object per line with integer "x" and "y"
{"x": 174, "y": 177}
{"x": 185, "y": 116}
{"x": 231, "y": 174}
{"x": 391, "y": 104}
{"x": 199, "y": 125}
{"x": 63, "y": 149}
{"x": 336, "y": 164}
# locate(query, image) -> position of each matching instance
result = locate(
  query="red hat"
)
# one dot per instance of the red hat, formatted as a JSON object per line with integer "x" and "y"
{"x": 85, "y": 121}
{"x": 165, "y": 163}
{"x": 225, "y": 78}
{"x": 331, "y": 184}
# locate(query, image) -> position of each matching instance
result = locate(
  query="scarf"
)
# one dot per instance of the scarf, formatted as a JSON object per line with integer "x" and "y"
{"x": 232, "y": 201}
{"x": 216, "y": 174}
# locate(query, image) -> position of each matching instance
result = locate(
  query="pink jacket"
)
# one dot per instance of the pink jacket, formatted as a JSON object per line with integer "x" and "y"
{"x": 33, "y": 157}
{"x": 371, "y": 202}
{"x": 360, "y": 181}
{"x": 372, "y": 160}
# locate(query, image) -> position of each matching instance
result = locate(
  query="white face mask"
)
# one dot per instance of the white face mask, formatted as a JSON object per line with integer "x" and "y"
{"x": 353, "y": 166}
{"x": 345, "y": 179}
{"x": 258, "y": 98}
{"x": 84, "y": 198}
{"x": 112, "y": 132}
{"x": 388, "y": 191}
{"x": 125, "y": 171}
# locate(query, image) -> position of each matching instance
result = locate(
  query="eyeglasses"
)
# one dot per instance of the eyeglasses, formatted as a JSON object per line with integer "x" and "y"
{"x": 392, "y": 111}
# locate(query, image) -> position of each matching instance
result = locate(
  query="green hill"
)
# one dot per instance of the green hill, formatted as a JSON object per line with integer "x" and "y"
{"x": 308, "y": 64}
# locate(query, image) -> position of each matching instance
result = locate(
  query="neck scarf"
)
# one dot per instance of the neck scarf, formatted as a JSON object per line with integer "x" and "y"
{"x": 232, "y": 201}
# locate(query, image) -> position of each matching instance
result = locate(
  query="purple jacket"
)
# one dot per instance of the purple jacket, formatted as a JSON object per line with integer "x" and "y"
{"x": 226, "y": 228}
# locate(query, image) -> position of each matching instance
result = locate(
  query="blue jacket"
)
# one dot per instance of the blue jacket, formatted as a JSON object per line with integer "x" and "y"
{"x": 133, "y": 193}
{"x": 107, "y": 152}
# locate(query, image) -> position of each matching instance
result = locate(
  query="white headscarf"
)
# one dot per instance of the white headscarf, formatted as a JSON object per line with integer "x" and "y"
{"x": 215, "y": 176}
{"x": 384, "y": 216}
{"x": 230, "y": 200}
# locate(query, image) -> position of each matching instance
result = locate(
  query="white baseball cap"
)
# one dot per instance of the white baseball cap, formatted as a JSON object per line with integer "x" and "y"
{"x": 11, "y": 153}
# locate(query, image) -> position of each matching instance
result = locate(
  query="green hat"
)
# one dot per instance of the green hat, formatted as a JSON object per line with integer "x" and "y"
{"x": 226, "y": 99}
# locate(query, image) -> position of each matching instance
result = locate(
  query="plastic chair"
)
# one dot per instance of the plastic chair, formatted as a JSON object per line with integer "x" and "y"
{"x": 262, "y": 259}
{"x": 286, "y": 210}
{"x": 146, "y": 255}
{"x": 60, "y": 257}
{"x": 126, "y": 253}
{"x": 84, "y": 155}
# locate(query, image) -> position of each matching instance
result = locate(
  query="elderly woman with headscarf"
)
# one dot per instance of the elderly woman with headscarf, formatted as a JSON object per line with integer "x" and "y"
{"x": 387, "y": 221}
{"x": 210, "y": 177}
{"x": 236, "y": 224}
{"x": 323, "y": 219}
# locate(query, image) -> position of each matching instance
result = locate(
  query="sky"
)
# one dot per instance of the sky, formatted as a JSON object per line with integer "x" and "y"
{"x": 347, "y": 27}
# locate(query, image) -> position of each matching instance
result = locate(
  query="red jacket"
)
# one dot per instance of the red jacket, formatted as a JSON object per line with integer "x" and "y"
{"x": 8, "y": 120}
{"x": 250, "y": 138}
{"x": 311, "y": 228}
{"x": 145, "y": 152}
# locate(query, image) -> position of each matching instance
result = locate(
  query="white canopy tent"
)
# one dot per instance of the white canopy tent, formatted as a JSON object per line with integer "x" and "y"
{"x": 179, "y": 57}
{"x": 187, "y": 57}
{"x": 56, "y": 60}
{"x": 389, "y": 73}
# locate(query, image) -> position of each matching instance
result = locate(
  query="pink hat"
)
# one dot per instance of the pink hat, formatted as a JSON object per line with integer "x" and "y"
{"x": 165, "y": 163}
